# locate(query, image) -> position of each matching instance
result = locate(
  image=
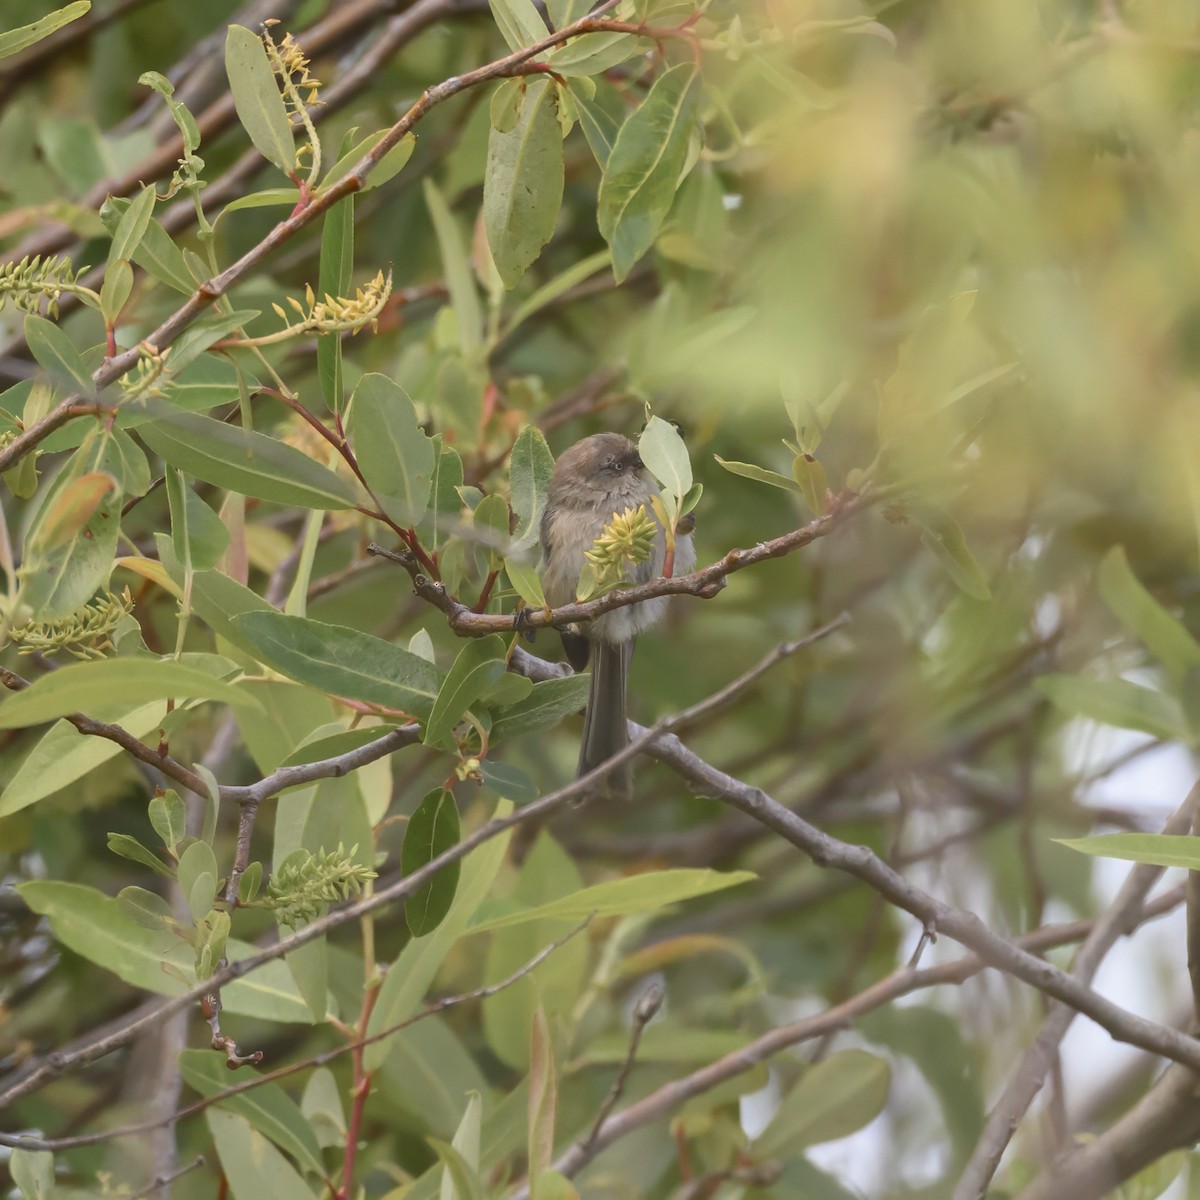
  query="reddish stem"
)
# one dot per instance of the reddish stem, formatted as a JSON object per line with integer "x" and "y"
{"x": 486, "y": 594}
{"x": 362, "y": 1086}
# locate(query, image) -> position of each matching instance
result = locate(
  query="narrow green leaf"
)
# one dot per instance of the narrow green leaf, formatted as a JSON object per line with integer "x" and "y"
{"x": 1157, "y": 849}
{"x": 410, "y": 975}
{"x": 523, "y": 187}
{"x": 267, "y": 198}
{"x": 644, "y": 167}
{"x": 445, "y": 505}
{"x": 543, "y": 1096}
{"x": 478, "y": 665}
{"x": 124, "y": 846}
{"x": 156, "y": 252}
{"x": 390, "y": 165}
{"x": 647, "y": 892}
{"x": 834, "y": 1098}
{"x": 245, "y": 461}
{"x": 341, "y": 661}
{"x": 115, "y": 290}
{"x": 268, "y": 1109}
{"x": 529, "y": 468}
{"x": 394, "y": 452}
{"x": 760, "y": 474}
{"x": 551, "y": 701}
{"x": 594, "y": 53}
{"x": 662, "y": 450}
{"x": 64, "y": 755}
{"x": 550, "y": 291}
{"x": 253, "y": 1168}
{"x": 58, "y": 577}
{"x": 466, "y": 1146}
{"x": 460, "y": 279}
{"x": 1165, "y": 637}
{"x": 56, "y": 354}
{"x": 564, "y": 12}
{"x": 131, "y": 228}
{"x": 130, "y": 681}
{"x": 432, "y": 830}
{"x": 1117, "y": 702}
{"x": 518, "y": 22}
{"x": 335, "y": 272}
{"x": 257, "y": 98}
{"x": 92, "y": 925}
{"x": 599, "y": 127}
{"x": 945, "y": 539}
{"x": 12, "y": 41}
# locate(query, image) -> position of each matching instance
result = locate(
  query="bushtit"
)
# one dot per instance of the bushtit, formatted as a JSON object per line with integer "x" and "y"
{"x": 594, "y": 480}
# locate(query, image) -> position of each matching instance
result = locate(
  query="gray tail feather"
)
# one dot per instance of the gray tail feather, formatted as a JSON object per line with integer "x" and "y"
{"x": 605, "y": 732}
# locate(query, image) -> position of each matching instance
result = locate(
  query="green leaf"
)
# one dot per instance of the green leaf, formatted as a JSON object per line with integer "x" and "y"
{"x": 156, "y": 252}
{"x": 466, "y": 1148}
{"x": 197, "y": 873}
{"x": 574, "y": 275}
{"x": 834, "y": 1098}
{"x": 57, "y": 355}
{"x": 543, "y": 1096}
{"x": 526, "y": 582}
{"x": 64, "y": 755}
{"x": 198, "y": 536}
{"x": 432, "y": 830}
{"x": 760, "y": 474}
{"x": 647, "y": 892}
{"x": 253, "y": 1168}
{"x": 12, "y": 41}
{"x": 518, "y": 22}
{"x": 565, "y": 12}
{"x": 395, "y": 455}
{"x": 444, "y": 502}
{"x": 269, "y": 1109}
{"x": 551, "y": 701}
{"x": 945, "y": 539}
{"x": 409, "y": 977}
{"x": 1116, "y": 702}
{"x": 1165, "y": 637}
{"x": 599, "y": 128}
{"x": 644, "y": 168}
{"x": 389, "y": 166}
{"x": 246, "y": 461}
{"x": 523, "y": 187}
{"x": 1157, "y": 849}
{"x": 33, "y": 1170}
{"x": 58, "y": 578}
{"x": 124, "y": 846}
{"x": 335, "y": 272}
{"x": 662, "y": 450}
{"x": 460, "y": 279}
{"x": 115, "y": 290}
{"x": 594, "y": 53}
{"x": 131, "y": 228}
{"x": 93, "y": 925}
{"x": 129, "y": 681}
{"x": 529, "y": 468}
{"x": 480, "y": 663}
{"x": 459, "y": 1181}
{"x": 168, "y": 818}
{"x": 341, "y": 661}
{"x": 256, "y": 97}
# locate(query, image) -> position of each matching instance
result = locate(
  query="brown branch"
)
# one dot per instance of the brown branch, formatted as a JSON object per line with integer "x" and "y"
{"x": 1030, "y": 1073}
{"x": 900, "y": 983}
{"x": 123, "y": 738}
{"x": 216, "y": 287}
{"x": 317, "y": 1060}
{"x": 704, "y": 583}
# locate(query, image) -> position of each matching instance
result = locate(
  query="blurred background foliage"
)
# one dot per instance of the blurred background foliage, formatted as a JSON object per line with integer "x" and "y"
{"x": 944, "y": 252}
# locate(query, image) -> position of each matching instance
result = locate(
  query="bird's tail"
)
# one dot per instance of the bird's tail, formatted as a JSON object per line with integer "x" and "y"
{"x": 604, "y": 729}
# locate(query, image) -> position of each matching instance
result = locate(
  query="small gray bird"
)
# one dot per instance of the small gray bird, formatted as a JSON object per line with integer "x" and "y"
{"x": 594, "y": 480}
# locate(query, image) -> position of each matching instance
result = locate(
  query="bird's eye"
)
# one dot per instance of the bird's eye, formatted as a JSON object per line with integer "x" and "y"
{"x": 618, "y": 466}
